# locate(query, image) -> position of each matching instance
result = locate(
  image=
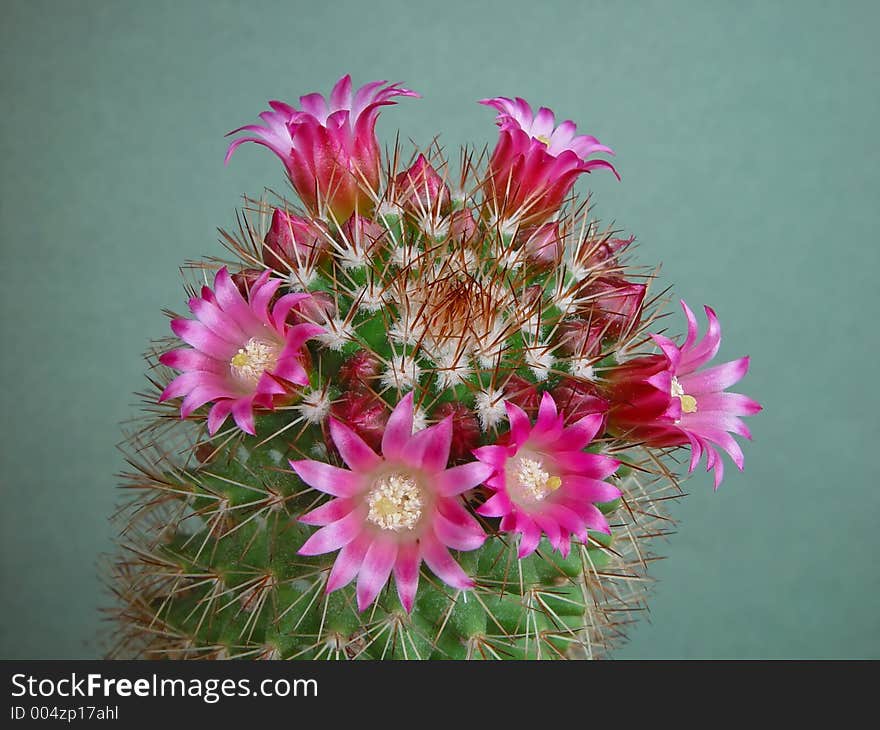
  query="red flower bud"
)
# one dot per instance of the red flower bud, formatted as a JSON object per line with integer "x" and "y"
{"x": 245, "y": 279}
{"x": 522, "y": 393}
{"x": 420, "y": 190}
{"x": 292, "y": 242}
{"x": 359, "y": 369}
{"x": 576, "y": 399}
{"x": 542, "y": 244}
{"x": 615, "y": 303}
{"x": 581, "y": 338}
{"x": 465, "y": 429}
{"x": 364, "y": 413}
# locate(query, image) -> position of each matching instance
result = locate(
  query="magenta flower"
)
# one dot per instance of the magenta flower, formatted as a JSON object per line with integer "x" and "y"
{"x": 241, "y": 354}
{"x": 545, "y": 482}
{"x": 664, "y": 400}
{"x": 535, "y": 164}
{"x": 328, "y": 147}
{"x": 394, "y": 510}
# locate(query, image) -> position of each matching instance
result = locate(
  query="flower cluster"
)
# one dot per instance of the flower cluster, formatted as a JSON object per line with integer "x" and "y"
{"x": 467, "y": 355}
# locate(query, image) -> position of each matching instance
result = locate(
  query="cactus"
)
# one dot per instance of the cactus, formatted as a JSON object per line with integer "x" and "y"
{"x": 487, "y": 311}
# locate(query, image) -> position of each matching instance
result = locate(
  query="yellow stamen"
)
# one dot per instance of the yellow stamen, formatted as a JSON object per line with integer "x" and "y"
{"x": 688, "y": 402}
{"x": 533, "y": 481}
{"x": 543, "y": 140}
{"x": 395, "y": 503}
{"x": 252, "y": 360}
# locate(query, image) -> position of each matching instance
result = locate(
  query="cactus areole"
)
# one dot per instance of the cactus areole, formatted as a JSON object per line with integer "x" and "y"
{"x": 424, "y": 409}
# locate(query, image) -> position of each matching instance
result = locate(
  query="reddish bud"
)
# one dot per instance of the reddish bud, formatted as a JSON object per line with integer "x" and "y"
{"x": 522, "y": 393}
{"x": 245, "y": 279}
{"x": 364, "y": 413}
{"x": 580, "y": 338}
{"x": 462, "y": 225}
{"x": 606, "y": 253}
{"x": 542, "y": 244}
{"x": 320, "y": 307}
{"x": 359, "y": 369}
{"x": 421, "y": 190}
{"x": 291, "y": 242}
{"x": 576, "y": 399}
{"x": 465, "y": 429}
{"x": 615, "y": 303}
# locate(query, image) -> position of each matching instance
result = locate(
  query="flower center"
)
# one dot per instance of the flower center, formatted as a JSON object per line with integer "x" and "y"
{"x": 543, "y": 140}
{"x": 533, "y": 480}
{"x": 395, "y": 502}
{"x": 688, "y": 402}
{"x": 252, "y": 360}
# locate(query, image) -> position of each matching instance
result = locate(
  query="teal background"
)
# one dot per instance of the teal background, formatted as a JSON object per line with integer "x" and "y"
{"x": 746, "y": 135}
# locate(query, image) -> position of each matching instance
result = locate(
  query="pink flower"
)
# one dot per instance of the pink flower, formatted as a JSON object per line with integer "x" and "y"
{"x": 241, "y": 354}
{"x": 664, "y": 400}
{"x": 328, "y": 147}
{"x": 535, "y": 164}
{"x": 543, "y": 480}
{"x": 392, "y": 511}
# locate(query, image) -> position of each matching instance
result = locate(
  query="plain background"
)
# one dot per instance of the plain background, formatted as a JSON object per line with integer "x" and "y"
{"x": 746, "y": 135}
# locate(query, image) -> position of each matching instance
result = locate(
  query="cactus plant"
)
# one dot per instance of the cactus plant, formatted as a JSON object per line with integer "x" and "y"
{"x": 424, "y": 410}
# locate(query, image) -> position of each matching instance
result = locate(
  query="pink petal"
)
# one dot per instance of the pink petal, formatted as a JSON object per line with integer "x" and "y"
{"x": 581, "y": 463}
{"x": 328, "y": 512}
{"x": 715, "y": 379}
{"x": 398, "y": 430}
{"x": 375, "y": 571}
{"x": 548, "y": 425}
{"x": 590, "y": 490}
{"x": 406, "y": 573}
{"x": 438, "y": 559}
{"x": 580, "y": 433}
{"x": 327, "y": 478}
{"x": 459, "y": 479}
{"x": 495, "y": 456}
{"x": 348, "y": 562}
{"x": 520, "y": 425}
{"x": 437, "y": 443}
{"x": 458, "y": 531}
{"x": 243, "y": 414}
{"x": 352, "y": 448}
{"x": 335, "y": 535}
{"x": 530, "y": 535}
{"x": 218, "y": 414}
{"x": 196, "y": 335}
{"x": 497, "y": 505}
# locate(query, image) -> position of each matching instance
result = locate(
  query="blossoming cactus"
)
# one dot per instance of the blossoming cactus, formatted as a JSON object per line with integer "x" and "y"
{"x": 426, "y": 412}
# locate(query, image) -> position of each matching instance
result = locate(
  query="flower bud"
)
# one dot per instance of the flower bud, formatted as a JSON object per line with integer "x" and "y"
{"x": 465, "y": 429}
{"x": 421, "y": 191}
{"x": 364, "y": 412}
{"x": 291, "y": 242}
{"x": 360, "y": 369}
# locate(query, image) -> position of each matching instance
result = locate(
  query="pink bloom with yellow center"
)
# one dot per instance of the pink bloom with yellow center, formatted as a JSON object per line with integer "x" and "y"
{"x": 666, "y": 400}
{"x": 535, "y": 163}
{"x": 544, "y": 481}
{"x": 241, "y": 353}
{"x": 393, "y": 510}
{"x": 329, "y": 146}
